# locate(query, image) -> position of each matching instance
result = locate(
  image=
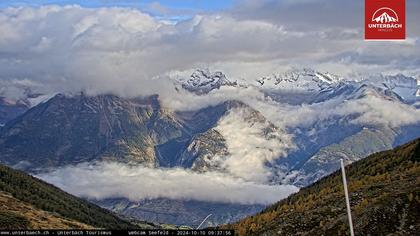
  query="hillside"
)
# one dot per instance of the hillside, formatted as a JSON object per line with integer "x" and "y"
{"x": 16, "y": 214}
{"x": 385, "y": 198}
{"x": 27, "y": 202}
{"x": 73, "y": 129}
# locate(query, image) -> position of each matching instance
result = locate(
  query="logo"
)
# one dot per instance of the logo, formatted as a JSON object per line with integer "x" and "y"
{"x": 384, "y": 19}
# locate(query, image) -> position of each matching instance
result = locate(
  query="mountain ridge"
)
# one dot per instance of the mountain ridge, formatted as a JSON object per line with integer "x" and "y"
{"x": 310, "y": 85}
{"x": 87, "y": 128}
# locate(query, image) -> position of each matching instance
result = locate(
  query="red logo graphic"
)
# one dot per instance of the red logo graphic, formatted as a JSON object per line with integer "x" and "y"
{"x": 384, "y": 19}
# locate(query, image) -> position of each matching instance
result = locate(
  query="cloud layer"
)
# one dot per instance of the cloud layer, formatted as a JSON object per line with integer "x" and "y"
{"x": 119, "y": 50}
{"x": 112, "y": 180}
{"x": 370, "y": 110}
{"x": 252, "y": 142}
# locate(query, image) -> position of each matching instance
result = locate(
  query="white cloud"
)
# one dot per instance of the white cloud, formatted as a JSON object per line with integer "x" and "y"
{"x": 110, "y": 180}
{"x": 367, "y": 110}
{"x": 376, "y": 111}
{"x": 118, "y": 50}
{"x": 252, "y": 143}
{"x": 185, "y": 101}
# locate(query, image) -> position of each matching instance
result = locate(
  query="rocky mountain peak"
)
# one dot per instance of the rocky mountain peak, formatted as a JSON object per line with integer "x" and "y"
{"x": 299, "y": 79}
{"x": 203, "y": 81}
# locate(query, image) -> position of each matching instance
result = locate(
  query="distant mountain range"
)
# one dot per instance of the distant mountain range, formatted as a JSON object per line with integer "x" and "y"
{"x": 384, "y": 196}
{"x": 307, "y": 85}
{"x": 61, "y": 130}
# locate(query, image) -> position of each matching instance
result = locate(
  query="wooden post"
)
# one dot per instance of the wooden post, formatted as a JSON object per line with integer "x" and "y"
{"x": 346, "y": 193}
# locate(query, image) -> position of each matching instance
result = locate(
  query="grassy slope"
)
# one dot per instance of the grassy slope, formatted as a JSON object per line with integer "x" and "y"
{"x": 23, "y": 191}
{"x": 385, "y": 199}
{"x": 15, "y": 214}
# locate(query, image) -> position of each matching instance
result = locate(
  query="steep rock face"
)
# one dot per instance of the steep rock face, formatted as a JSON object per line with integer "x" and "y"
{"x": 203, "y": 81}
{"x": 11, "y": 109}
{"x": 69, "y": 130}
{"x": 202, "y": 149}
{"x": 206, "y": 118}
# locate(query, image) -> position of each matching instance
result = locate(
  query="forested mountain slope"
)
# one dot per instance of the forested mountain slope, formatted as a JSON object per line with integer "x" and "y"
{"x": 27, "y": 202}
{"x": 385, "y": 198}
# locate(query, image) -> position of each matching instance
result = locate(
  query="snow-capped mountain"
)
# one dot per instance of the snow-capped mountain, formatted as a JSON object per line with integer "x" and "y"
{"x": 385, "y": 18}
{"x": 299, "y": 86}
{"x": 309, "y": 81}
{"x": 404, "y": 86}
{"x": 294, "y": 87}
{"x": 202, "y": 81}
{"x": 306, "y": 85}
{"x": 303, "y": 80}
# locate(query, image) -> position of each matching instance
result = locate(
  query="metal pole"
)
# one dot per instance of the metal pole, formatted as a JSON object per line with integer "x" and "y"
{"x": 347, "y": 197}
{"x": 203, "y": 221}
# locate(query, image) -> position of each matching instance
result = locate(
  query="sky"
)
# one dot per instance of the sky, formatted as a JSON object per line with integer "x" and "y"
{"x": 208, "y": 5}
{"x": 119, "y": 46}
{"x": 141, "y": 4}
